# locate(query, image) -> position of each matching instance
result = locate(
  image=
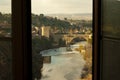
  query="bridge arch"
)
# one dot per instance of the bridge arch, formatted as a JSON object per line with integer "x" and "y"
{"x": 77, "y": 39}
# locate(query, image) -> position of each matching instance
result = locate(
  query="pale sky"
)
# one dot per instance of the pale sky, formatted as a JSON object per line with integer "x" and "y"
{"x": 61, "y": 6}
{"x": 53, "y": 6}
{"x": 5, "y": 6}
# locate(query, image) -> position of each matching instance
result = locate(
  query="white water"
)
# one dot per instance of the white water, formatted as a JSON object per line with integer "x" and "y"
{"x": 65, "y": 65}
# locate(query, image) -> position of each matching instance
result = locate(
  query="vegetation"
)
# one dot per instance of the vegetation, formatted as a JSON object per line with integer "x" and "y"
{"x": 86, "y": 52}
{"x": 42, "y": 43}
{"x": 5, "y": 18}
{"x": 5, "y": 24}
{"x": 57, "y": 24}
{"x": 62, "y": 42}
{"x": 37, "y": 59}
{"x": 61, "y": 26}
{"x": 40, "y": 20}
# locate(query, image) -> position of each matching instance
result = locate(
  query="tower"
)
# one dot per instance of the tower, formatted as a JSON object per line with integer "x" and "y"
{"x": 45, "y": 31}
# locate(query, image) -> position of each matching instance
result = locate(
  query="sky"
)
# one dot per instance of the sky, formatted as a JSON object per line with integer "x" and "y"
{"x": 5, "y": 6}
{"x": 53, "y": 6}
{"x": 61, "y": 6}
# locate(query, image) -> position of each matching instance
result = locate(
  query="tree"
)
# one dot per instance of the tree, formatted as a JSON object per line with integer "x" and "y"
{"x": 49, "y": 21}
{"x": 42, "y": 15}
{"x": 61, "y": 42}
{"x": 37, "y": 59}
{"x": 65, "y": 18}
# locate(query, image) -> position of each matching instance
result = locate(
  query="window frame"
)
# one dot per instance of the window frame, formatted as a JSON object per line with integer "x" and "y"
{"x": 97, "y": 37}
{"x": 21, "y": 40}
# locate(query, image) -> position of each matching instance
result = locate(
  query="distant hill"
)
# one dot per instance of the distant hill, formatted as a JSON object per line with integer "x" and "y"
{"x": 77, "y": 16}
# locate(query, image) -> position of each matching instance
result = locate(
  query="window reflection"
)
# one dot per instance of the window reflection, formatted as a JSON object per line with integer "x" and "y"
{"x": 5, "y": 42}
{"x": 111, "y": 18}
{"x": 5, "y": 24}
{"x": 5, "y": 60}
{"x": 5, "y": 18}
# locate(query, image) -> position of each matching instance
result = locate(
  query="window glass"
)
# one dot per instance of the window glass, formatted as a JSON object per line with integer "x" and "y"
{"x": 62, "y": 39}
{"x": 5, "y": 60}
{"x": 5, "y": 42}
{"x": 111, "y": 18}
{"x": 5, "y": 18}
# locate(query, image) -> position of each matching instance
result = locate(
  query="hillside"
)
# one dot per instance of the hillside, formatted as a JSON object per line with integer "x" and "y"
{"x": 77, "y": 16}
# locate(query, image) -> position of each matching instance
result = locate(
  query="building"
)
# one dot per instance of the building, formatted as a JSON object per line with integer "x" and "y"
{"x": 90, "y": 36}
{"x": 45, "y": 31}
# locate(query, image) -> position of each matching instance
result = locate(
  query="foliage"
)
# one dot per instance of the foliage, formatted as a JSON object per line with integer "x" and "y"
{"x": 51, "y": 39}
{"x": 87, "y": 56}
{"x": 81, "y": 47}
{"x": 5, "y": 18}
{"x": 40, "y": 20}
{"x": 39, "y": 44}
{"x": 62, "y": 42}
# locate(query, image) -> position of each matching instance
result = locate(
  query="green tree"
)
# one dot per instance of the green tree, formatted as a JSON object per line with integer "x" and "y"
{"x": 37, "y": 59}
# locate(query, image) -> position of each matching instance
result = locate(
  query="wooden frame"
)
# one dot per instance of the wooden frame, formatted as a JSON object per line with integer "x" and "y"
{"x": 21, "y": 42}
{"x": 110, "y": 42}
{"x": 96, "y": 39}
{"x": 22, "y": 50}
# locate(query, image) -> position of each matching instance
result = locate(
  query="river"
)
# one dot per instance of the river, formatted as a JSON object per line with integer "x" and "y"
{"x": 65, "y": 65}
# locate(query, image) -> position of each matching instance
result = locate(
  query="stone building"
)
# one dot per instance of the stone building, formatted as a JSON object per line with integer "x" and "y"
{"x": 45, "y": 31}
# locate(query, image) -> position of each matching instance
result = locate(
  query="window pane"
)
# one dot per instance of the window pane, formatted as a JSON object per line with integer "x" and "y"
{"x": 5, "y": 18}
{"x": 5, "y": 60}
{"x": 110, "y": 42}
{"x": 111, "y": 18}
{"x": 62, "y": 39}
{"x": 5, "y": 42}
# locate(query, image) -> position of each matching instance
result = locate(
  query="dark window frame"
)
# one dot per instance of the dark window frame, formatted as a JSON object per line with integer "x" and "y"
{"x": 97, "y": 37}
{"x": 21, "y": 40}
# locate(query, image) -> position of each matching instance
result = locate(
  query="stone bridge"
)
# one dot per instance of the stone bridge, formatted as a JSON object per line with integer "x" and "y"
{"x": 69, "y": 37}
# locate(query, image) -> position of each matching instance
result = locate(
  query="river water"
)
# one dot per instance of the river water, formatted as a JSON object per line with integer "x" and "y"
{"x": 65, "y": 65}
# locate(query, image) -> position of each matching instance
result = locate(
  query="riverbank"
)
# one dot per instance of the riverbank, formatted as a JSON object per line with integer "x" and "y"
{"x": 87, "y": 70}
